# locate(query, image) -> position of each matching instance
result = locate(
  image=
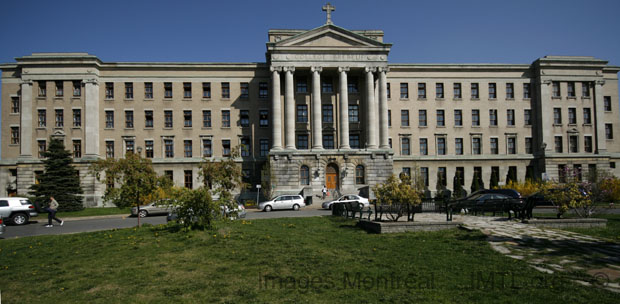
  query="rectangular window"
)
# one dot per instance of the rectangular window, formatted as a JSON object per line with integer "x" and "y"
{"x": 148, "y": 119}
{"x": 187, "y": 148}
{"x": 129, "y": 146}
{"x": 441, "y": 146}
{"x": 302, "y": 142}
{"x": 77, "y": 148}
{"x": 573, "y": 144}
{"x": 188, "y": 179}
{"x": 128, "y": 90}
{"x": 354, "y": 113}
{"x": 354, "y": 141}
{"x": 167, "y": 89}
{"x": 328, "y": 141}
{"x": 60, "y": 89}
{"x": 526, "y": 91}
{"x": 129, "y": 119}
{"x": 206, "y": 90}
{"x": 475, "y": 92}
{"x": 264, "y": 147}
{"x": 562, "y": 173}
{"x": 587, "y": 144}
{"x": 557, "y": 116}
{"x": 187, "y": 90}
{"x": 558, "y": 144}
{"x": 475, "y": 118}
{"x": 492, "y": 91}
{"x": 187, "y": 118}
{"x": 458, "y": 146}
{"x": 245, "y": 90}
{"x": 389, "y": 118}
{"x": 494, "y": 144}
{"x": 77, "y": 88}
{"x": 42, "y": 88}
{"x": 328, "y": 113}
{"x": 424, "y": 173}
{"x": 405, "y": 147}
{"x": 77, "y": 118}
{"x": 570, "y": 88}
{"x": 109, "y": 149}
{"x": 585, "y": 89}
{"x": 458, "y": 118}
{"x": 422, "y": 90}
{"x": 60, "y": 119}
{"x": 607, "y": 103}
{"x": 327, "y": 85}
{"x": 423, "y": 146}
{"x": 148, "y": 147}
{"x": 263, "y": 118}
{"x": 14, "y": 135}
{"x": 528, "y": 145}
{"x": 244, "y": 118}
{"x": 476, "y": 146}
{"x": 441, "y": 118}
{"x": 42, "y": 114}
{"x": 206, "y": 118}
{"x": 207, "y": 149}
{"x": 168, "y": 122}
{"x": 148, "y": 90}
{"x": 263, "y": 90}
{"x": 609, "y": 131}
{"x": 389, "y": 91}
{"x": 439, "y": 90}
{"x": 510, "y": 117}
{"x": 404, "y": 90}
{"x": 421, "y": 118}
{"x": 555, "y": 89}
{"x": 527, "y": 117}
{"x": 460, "y": 175}
{"x": 493, "y": 117}
{"x": 301, "y": 85}
{"x": 442, "y": 176}
{"x": 457, "y": 91}
{"x": 352, "y": 85}
{"x": 109, "y": 90}
{"x": 169, "y": 174}
{"x": 169, "y": 148}
{"x": 42, "y": 144}
{"x": 510, "y": 91}
{"x": 109, "y": 119}
{"x": 512, "y": 145}
{"x": 225, "y": 119}
{"x": 572, "y": 116}
{"x": 404, "y": 118}
{"x": 302, "y": 113}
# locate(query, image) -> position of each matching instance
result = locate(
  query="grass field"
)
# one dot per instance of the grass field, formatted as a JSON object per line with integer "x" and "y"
{"x": 88, "y": 212}
{"x": 611, "y": 232}
{"x": 294, "y": 260}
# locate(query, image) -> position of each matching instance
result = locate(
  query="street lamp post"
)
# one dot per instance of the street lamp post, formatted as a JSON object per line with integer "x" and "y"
{"x": 138, "y": 192}
{"x": 257, "y": 193}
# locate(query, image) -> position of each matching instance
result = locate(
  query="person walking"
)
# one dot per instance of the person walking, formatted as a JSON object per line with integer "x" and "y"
{"x": 51, "y": 215}
{"x": 324, "y": 191}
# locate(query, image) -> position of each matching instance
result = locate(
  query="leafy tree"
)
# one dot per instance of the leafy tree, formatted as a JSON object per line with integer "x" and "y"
{"x": 267, "y": 181}
{"x": 528, "y": 187}
{"x": 398, "y": 191}
{"x": 197, "y": 209}
{"x": 223, "y": 177}
{"x": 60, "y": 179}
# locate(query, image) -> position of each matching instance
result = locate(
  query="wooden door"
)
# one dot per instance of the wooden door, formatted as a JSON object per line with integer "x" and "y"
{"x": 331, "y": 176}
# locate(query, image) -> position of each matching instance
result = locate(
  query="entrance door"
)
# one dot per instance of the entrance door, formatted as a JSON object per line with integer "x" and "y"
{"x": 331, "y": 176}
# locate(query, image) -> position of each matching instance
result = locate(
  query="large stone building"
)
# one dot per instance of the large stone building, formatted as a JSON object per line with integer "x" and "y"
{"x": 327, "y": 108}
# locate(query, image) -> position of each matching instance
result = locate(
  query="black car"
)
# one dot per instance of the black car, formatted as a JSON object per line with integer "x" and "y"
{"x": 488, "y": 202}
{"x": 507, "y": 192}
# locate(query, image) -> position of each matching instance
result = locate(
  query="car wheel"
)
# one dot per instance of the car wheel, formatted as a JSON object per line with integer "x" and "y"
{"x": 267, "y": 208}
{"x": 330, "y": 206}
{"x": 143, "y": 213}
{"x": 296, "y": 207}
{"x": 19, "y": 219}
{"x": 360, "y": 205}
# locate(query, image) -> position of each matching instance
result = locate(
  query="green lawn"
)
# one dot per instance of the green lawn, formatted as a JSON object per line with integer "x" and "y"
{"x": 88, "y": 212}
{"x": 309, "y": 260}
{"x": 612, "y": 231}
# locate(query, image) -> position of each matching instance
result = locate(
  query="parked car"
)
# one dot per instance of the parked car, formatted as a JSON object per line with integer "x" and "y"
{"x": 18, "y": 209}
{"x": 283, "y": 202}
{"x": 240, "y": 213}
{"x": 155, "y": 208}
{"x": 2, "y": 226}
{"x": 508, "y": 192}
{"x": 347, "y": 198}
{"x": 488, "y": 202}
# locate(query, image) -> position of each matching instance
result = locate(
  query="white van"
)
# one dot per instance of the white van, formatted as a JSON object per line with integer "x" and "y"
{"x": 17, "y": 209}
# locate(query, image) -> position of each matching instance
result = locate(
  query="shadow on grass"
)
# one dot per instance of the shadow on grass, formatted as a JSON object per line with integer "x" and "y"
{"x": 344, "y": 223}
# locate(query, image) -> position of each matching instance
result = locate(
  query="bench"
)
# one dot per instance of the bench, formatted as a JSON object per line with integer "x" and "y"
{"x": 350, "y": 210}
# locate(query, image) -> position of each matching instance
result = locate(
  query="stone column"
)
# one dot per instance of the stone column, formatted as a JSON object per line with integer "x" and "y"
{"x": 276, "y": 109}
{"x": 91, "y": 119}
{"x": 371, "y": 109}
{"x": 545, "y": 116}
{"x": 599, "y": 108}
{"x": 383, "y": 110}
{"x": 344, "y": 109}
{"x": 25, "y": 126}
{"x": 317, "y": 127}
{"x": 289, "y": 109}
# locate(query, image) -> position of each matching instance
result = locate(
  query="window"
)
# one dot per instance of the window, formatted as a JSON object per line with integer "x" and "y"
{"x": 609, "y": 132}
{"x": 77, "y": 88}
{"x": 423, "y": 146}
{"x": 302, "y": 142}
{"x": 353, "y": 113}
{"x": 492, "y": 91}
{"x": 327, "y": 85}
{"x": 169, "y": 148}
{"x": 207, "y": 149}
{"x": 405, "y": 147}
{"x": 42, "y": 144}
{"x": 109, "y": 119}
{"x": 60, "y": 120}
{"x": 77, "y": 118}
{"x": 585, "y": 89}
{"x": 587, "y": 144}
{"x": 304, "y": 175}
{"x": 439, "y": 90}
{"x": 493, "y": 117}
{"x": 404, "y": 90}
{"x": 225, "y": 119}
{"x": 77, "y": 148}
{"x": 573, "y": 143}
{"x": 558, "y": 144}
{"x": 458, "y": 146}
{"x": 441, "y": 146}
{"x": 457, "y": 91}
{"x": 59, "y": 89}
{"x": 148, "y": 118}
{"x": 475, "y": 118}
{"x": 206, "y": 90}
{"x": 129, "y": 119}
{"x": 245, "y": 90}
{"x": 570, "y": 88}
{"x": 128, "y": 90}
{"x": 527, "y": 117}
{"x": 187, "y": 148}
{"x": 129, "y": 146}
{"x": 389, "y": 118}
{"x": 562, "y": 173}
{"x": 206, "y": 118}
{"x": 360, "y": 175}
{"x": 526, "y": 91}
{"x": 577, "y": 172}
{"x": 264, "y": 147}
{"x": 476, "y": 144}
{"x": 592, "y": 174}
{"x": 555, "y": 89}
{"x": 475, "y": 93}
{"x": 263, "y": 118}
{"x": 557, "y": 116}
{"x": 512, "y": 145}
{"x": 352, "y": 85}
{"x": 302, "y": 113}
{"x": 389, "y": 91}
{"x": 607, "y": 103}
{"x": 167, "y": 89}
{"x": 42, "y": 114}
{"x": 169, "y": 174}
{"x": 15, "y": 135}
{"x": 528, "y": 145}
{"x": 109, "y": 149}
{"x": 510, "y": 91}
{"x": 460, "y": 175}
{"x": 188, "y": 179}
{"x": 422, "y": 90}
{"x": 328, "y": 141}
{"x": 109, "y": 90}
{"x": 572, "y": 116}
{"x": 148, "y": 90}
{"x": 458, "y": 118}
{"x": 612, "y": 165}
{"x": 42, "y": 88}
{"x": 442, "y": 176}
{"x": 421, "y": 118}
{"x": 168, "y": 122}
{"x": 494, "y": 143}
{"x": 187, "y": 118}
{"x": 404, "y": 118}
{"x": 441, "y": 119}
{"x": 510, "y": 117}
{"x": 263, "y": 90}
{"x": 148, "y": 148}
{"x": 301, "y": 85}
{"x": 354, "y": 141}
{"x": 328, "y": 113}
{"x": 246, "y": 146}
{"x": 424, "y": 173}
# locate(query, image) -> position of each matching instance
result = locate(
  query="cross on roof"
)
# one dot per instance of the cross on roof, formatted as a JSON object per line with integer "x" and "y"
{"x": 329, "y": 8}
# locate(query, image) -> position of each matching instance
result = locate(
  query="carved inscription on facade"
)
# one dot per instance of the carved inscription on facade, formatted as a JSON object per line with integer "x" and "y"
{"x": 327, "y": 57}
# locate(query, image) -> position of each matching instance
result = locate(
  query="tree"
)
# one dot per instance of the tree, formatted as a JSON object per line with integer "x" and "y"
{"x": 475, "y": 184}
{"x": 398, "y": 191}
{"x": 441, "y": 186}
{"x": 60, "y": 179}
{"x": 267, "y": 181}
{"x": 494, "y": 183}
{"x": 458, "y": 187}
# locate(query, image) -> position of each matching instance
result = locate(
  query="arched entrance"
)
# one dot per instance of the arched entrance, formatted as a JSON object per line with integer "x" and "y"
{"x": 331, "y": 176}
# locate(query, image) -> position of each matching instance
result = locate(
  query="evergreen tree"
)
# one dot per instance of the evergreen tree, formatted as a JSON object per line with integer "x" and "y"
{"x": 59, "y": 179}
{"x": 494, "y": 181}
{"x": 458, "y": 188}
{"x": 475, "y": 184}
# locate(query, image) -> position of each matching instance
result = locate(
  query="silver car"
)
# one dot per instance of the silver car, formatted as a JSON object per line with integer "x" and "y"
{"x": 18, "y": 209}
{"x": 155, "y": 208}
{"x": 2, "y": 226}
{"x": 283, "y": 202}
{"x": 347, "y": 198}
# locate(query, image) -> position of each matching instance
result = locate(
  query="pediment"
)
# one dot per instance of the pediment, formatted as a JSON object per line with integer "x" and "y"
{"x": 329, "y": 36}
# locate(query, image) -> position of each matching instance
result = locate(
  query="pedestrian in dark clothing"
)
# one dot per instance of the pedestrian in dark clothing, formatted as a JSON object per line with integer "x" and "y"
{"x": 51, "y": 215}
